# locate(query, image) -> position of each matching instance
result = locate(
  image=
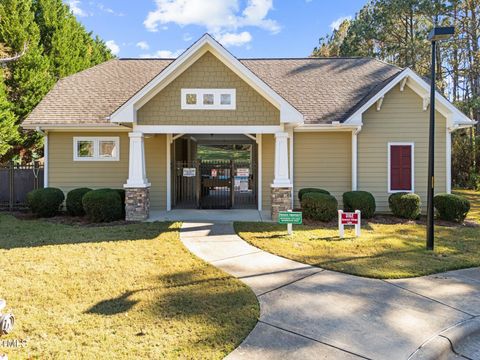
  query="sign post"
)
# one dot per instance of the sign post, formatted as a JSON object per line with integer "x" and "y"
{"x": 290, "y": 217}
{"x": 349, "y": 218}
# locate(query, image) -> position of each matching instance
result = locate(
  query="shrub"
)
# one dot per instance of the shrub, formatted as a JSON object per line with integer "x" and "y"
{"x": 319, "y": 206}
{"x": 405, "y": 205}
{"x": 302, "y": 192}
{"x": 74, "y": 201}
{"x": 45, "y": 202}
{"x": 451, "y": 207}
{"x": 121, "y": 192}
{"x": 103, "y": 205}
{"x": 360, "y": 200}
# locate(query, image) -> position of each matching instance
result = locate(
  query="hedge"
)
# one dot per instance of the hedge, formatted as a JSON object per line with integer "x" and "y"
{"x": 74, "y": 201}
{"x": 103, "y": 205}
{"x": 304, "y": 191}
{"x": 405, "y": 205}
{"x": 319, "y": 206}
{"x": 451, "y": 207}
{"x": 45, "y": 202}
{"x": 360, "y": 200}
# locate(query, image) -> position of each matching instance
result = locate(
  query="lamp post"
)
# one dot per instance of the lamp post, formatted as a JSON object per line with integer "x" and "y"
{"x": 437, "y": 34}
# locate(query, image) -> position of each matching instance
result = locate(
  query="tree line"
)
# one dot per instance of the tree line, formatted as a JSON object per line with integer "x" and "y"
{"x": 48, "y": 44}
{"x": 396, "y": 31}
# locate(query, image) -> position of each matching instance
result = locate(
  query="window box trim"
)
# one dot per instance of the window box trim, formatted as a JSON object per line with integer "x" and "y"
{"x": 96, "y": 148}
{"x": 412, "y": 167}
{"x": 217, "y": 93}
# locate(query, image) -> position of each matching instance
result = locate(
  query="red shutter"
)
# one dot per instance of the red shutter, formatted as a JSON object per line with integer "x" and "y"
{"x": 401, "y": 167}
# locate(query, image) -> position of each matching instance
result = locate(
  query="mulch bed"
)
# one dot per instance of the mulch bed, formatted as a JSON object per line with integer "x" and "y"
{"x": 385, "y": 219}
{"x": 64, "y": 219}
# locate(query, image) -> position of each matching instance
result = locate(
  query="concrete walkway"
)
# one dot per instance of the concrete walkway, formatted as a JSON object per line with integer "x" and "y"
{"x": 310, "y": 313}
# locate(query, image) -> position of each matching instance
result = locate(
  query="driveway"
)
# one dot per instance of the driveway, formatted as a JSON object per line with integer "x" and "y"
{"x": 311, "y": 313}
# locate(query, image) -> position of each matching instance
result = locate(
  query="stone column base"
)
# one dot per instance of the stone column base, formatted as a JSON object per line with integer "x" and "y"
{"x": 281, "y": 198}
{"x": 137, "y": 204}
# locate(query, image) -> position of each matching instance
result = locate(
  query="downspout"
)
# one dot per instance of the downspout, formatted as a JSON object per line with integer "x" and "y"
{"x": 45, "y": 155}
{"x": 355, "y": 158}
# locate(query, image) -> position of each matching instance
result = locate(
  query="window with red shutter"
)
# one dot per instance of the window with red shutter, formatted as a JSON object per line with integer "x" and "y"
{"x": 401, "y": 167}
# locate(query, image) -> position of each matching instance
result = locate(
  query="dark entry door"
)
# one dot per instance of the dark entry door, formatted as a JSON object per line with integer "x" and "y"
{"x": 212, "y": 184}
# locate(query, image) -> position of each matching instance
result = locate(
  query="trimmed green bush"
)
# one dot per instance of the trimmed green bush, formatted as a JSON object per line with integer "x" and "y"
{"x": 360, "y": 200}
{"x": 405, "y": 205}
{"x": 74, "y": 201}
{"x": 121, "y": 192}
{"x": 302, "y": 192}
{"x": 319, "y": 206}
{"x": 45, "y": 202}
{"x": 103, "y": 205}
{"x": 451, "y": 207}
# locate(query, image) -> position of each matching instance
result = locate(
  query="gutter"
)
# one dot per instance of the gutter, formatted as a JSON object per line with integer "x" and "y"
{"x": 335, "y": 126}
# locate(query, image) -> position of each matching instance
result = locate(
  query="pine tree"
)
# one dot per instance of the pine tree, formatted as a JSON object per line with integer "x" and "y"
{"x": 8, "y": 128}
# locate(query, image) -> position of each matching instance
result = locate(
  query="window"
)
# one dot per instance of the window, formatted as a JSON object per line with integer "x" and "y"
{"x": 96, "y": 148}
{"x": 400, "y": 167}
{"x": 208, "y": 99}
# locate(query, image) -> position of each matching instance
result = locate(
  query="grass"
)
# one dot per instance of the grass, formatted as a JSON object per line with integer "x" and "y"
{"x": 474, "y": 197}
{"x": 117, "y": 292}
{"x": 383, "y": 251}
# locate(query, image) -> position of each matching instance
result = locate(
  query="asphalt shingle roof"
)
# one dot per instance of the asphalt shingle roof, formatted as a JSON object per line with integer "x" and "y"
{"x": 322, "y": 89}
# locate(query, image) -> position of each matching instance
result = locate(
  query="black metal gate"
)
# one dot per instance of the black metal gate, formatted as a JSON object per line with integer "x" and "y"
{"x": 214, "y": 185}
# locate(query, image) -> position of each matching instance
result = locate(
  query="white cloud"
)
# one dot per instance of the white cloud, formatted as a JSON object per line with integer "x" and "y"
{"x": 234, "y": 39}
{"x": 76, "y": 9}
{"x": 219, "y": 17}
{"x": 143, "y": 45}
{"x": 168, "y": 54}
{"x": 187, "y": 37}
{"x": 336, "y": 24}
{"x": 109, "y": 10}
{"x": 112, "y": 45}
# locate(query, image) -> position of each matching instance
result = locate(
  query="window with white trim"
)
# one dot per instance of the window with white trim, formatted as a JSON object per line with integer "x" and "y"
{"x": 208, "y": 99}
{"x": 400, "y": 167}
{"x": 93, "y": 148}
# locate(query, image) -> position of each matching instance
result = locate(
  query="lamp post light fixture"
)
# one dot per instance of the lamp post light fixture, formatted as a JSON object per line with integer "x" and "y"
{"x": 437, "y": 34}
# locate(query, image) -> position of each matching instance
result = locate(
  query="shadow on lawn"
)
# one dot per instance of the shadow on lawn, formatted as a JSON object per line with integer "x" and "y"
{"x": 114, "y": 306}
{"x": 17, "y": 233}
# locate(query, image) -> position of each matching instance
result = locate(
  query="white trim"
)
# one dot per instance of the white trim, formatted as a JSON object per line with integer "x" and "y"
{"x": 354, "y": 160}
{"x": 127, "y": 112}
{"x": 281, "y": 178}
{"x": 290, "y": 140}
{"x": 412, "y": 145}
{"x": 259, "y": 170}
{"x": 422, "y": 88}
{"x": 325, "y": 127}
{"x": 217, "y": 93}
{"x": 206, "y": 129}
{"x": 449, "y": 162}
{"x": 45, "y": 160}
{"x": 379, "y": 103}
{"x": 169, "y": 171}
{"x": 137, "y": 172}
{"x": 79, "y": 127}
{"x": 96, "y": 148}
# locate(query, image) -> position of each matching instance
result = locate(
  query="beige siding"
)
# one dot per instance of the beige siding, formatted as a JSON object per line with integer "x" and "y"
{"x": 156, "y": 160}
{"x": 401, "y": 119}
{"x": 268, "y": 164}
{"x": 67, "y": 174}
{"x": 323, "y": 160}
{"x": 208, "y": 72}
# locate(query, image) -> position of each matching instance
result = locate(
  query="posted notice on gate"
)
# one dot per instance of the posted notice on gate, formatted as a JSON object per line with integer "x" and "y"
{"x": 189, "y": 172}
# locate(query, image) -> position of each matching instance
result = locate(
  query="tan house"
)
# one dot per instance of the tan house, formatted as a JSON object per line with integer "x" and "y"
{"x": 208, "y": 130}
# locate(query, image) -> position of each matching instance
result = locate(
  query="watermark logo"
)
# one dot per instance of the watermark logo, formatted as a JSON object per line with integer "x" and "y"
{"x": 6, "y": 320}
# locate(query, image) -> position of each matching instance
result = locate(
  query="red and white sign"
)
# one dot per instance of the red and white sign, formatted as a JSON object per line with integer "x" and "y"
{"x": 214, "y": 172}
{"x": 349, "y": 218}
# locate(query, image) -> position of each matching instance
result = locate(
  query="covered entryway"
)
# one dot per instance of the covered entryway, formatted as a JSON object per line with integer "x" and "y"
{"x": 214, "y": 171}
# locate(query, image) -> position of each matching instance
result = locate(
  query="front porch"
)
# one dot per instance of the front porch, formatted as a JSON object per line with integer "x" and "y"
{"x": 247, "y": 189}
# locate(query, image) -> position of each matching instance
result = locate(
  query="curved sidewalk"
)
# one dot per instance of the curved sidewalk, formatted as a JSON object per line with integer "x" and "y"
{"x": 311, "y": 313}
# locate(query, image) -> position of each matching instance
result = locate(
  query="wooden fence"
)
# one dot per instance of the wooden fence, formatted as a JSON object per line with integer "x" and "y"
{"x": 16, "y": 181}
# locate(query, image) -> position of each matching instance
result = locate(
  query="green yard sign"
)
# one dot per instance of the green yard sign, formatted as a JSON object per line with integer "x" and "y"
{"x": 290, "y": 217}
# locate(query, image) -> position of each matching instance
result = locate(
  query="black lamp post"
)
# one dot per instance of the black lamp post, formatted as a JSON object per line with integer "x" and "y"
{"x": 437, "y": 34}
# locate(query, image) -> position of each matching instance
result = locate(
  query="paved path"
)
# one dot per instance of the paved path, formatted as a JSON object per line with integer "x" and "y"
{"x": 311, "y": 313}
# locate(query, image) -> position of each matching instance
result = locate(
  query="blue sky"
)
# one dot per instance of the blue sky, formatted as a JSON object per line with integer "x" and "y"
{"x": 248, "y": 28}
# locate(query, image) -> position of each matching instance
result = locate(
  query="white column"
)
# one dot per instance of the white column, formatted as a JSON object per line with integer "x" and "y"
{"x": 137, "y": 174}
{"x": 168, "y": 170}
{"x": 259, "y": 171}
{"x": 448, "y": 144}
{"x": 282, "y": 178}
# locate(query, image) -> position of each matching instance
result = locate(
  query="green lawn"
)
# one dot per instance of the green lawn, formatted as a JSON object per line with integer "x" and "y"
{"x": 474, "y": 197}
{"x": 383, "y": 251}
{"x": 117, "y": 292}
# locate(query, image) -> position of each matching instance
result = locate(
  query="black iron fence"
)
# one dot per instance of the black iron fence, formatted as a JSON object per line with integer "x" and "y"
{"x": 16, "y": 181}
